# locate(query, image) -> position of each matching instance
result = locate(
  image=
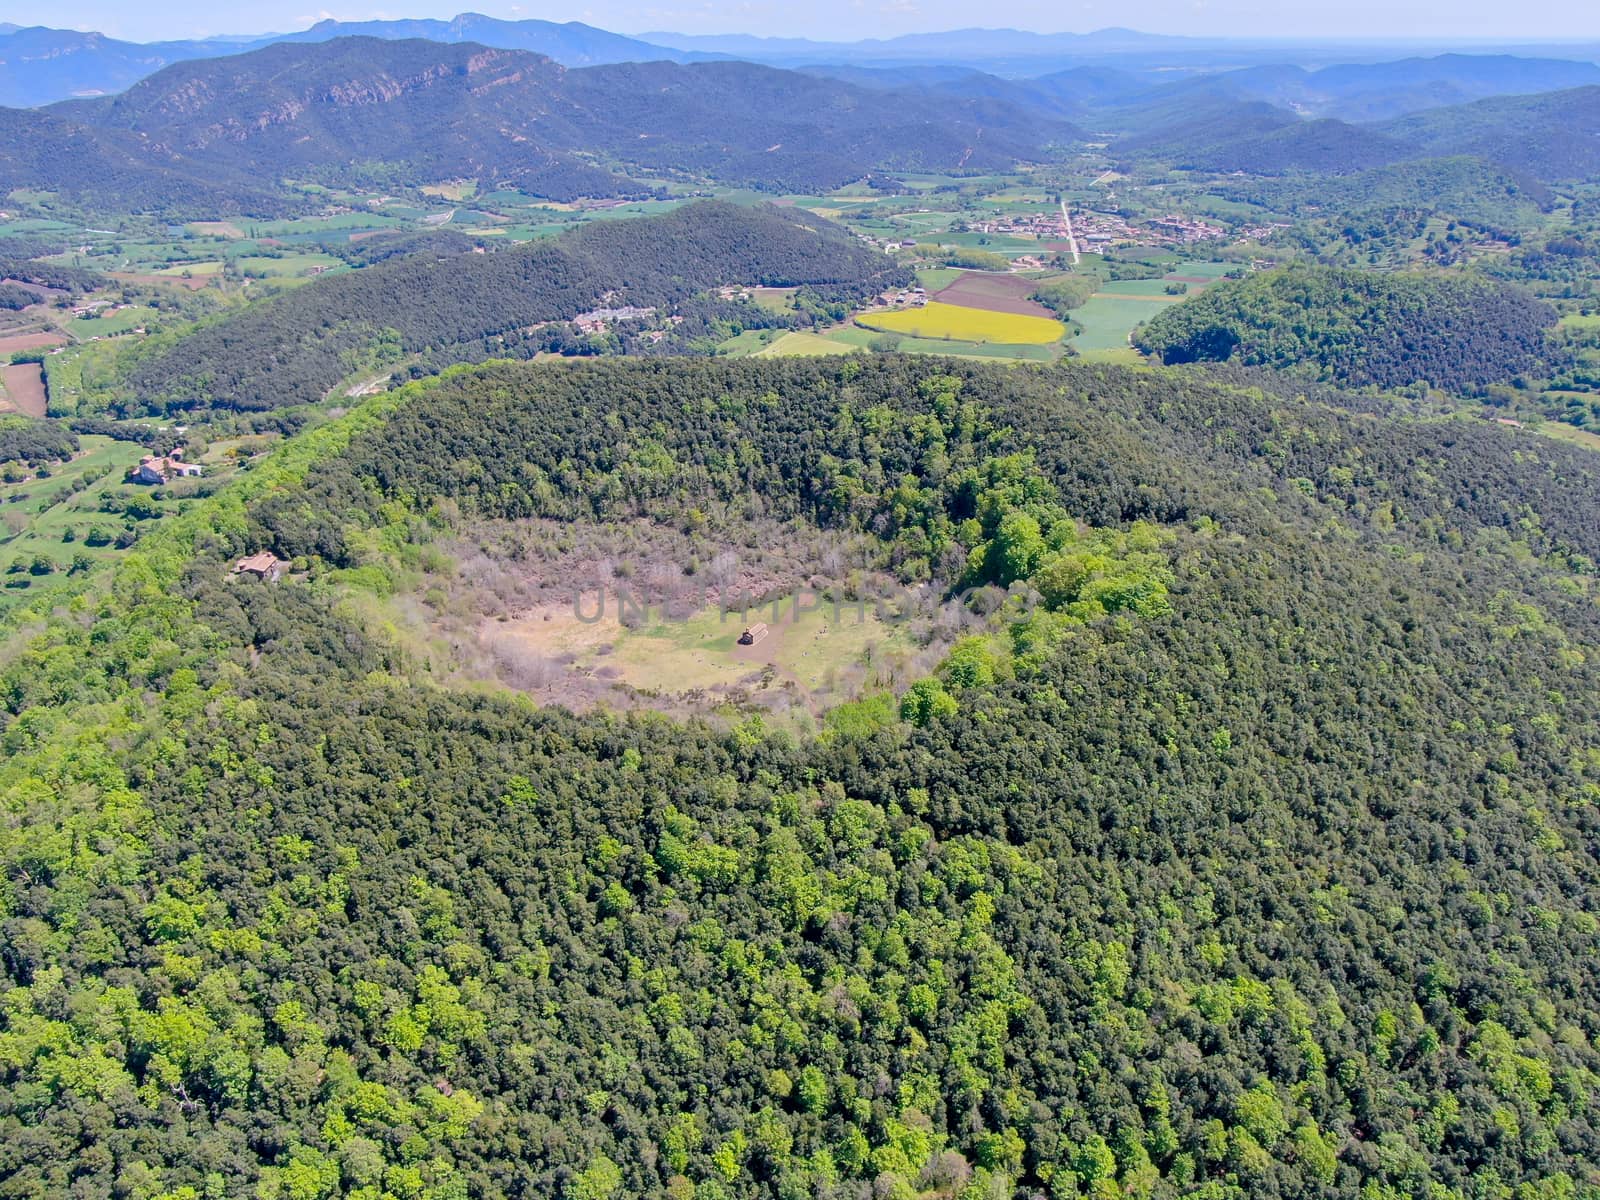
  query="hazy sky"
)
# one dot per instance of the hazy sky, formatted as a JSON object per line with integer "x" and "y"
{"x": 844, "y": 20}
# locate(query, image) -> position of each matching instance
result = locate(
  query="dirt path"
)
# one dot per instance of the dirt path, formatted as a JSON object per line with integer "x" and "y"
{"x": 1072, "y": 238}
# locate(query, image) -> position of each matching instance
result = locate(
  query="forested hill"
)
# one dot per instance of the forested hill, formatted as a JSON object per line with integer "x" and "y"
{"x": 1220, "y": 132}
{"x": 1464, "y": 188}
{"x": 1553, "y": 136}
{"x": 374, "y": 111}
{"x": 1284, "y": 885}
{"x": 1361, "y": 328}
{"x": 292, "y": 349}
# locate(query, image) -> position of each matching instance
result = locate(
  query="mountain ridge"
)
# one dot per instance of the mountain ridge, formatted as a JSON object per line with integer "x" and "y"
{"x": 357, "y": 109}
{"x": 40, "y": 65}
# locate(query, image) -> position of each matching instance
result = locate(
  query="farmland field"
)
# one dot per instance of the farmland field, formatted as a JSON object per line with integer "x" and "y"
{"x": 194, "y": 283}
{"x": 1107, "y": 319}
{"x": 855, "y": 337}
{"x": 192, "y": 269}
{"x": 751, "y": 341}
{"x": 997, "y": 243}
{"x": 223, "y": 229}
{"x": 938, "y": 320}
{"x": 1111, "y": 314}
{"x": 24, "y": 388}
{"x": 37, "y": 514}
{"x": 993, "y": 293}
{"x": 805, "y": 344}
{"x": 30, "y": 341}
{"x": 285, "y": 264}
{"x": 1154, "y": 289}
{"x": 774, "y": 299}
{"x": 935, "y": 278}
{"x": 1210, "y": 271}
{"x": 120, "y": 320}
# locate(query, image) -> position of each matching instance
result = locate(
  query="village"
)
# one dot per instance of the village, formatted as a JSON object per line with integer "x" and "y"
{"x": 1098, "y": 230}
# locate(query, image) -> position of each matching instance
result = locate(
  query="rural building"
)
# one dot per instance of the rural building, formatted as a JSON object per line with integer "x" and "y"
{"x": 156, "y": 469}
{"x": 597, "y": 319}
{"x": 754, "y": 634}
{"x": 264, "y": 566}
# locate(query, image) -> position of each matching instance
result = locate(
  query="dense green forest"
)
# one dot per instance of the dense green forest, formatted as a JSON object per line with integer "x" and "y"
{"x": 25, "y": 439}
{"x": 1276, "y": 879}
{"x": 1362, "y": 328}
{"x": 1548, "y": 135}
{"x": 1325, "y": 147}
{"x": 438, "y": 304}
{"x": 1465, "y": 188}
{"x": 20, "y": 265}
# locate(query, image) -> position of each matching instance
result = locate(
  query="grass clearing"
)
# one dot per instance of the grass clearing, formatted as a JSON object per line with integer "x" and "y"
{"x": 192, "y": 269}
{"x": 1107, "y": 320}
{"x": 286, "y": 264}
{"x": 1563, "y": 432}
{"x": 812, "y": 650}
{"x": 1153, "y": 289}
{"x": 750, "y": 342}
{"x": 115, "y": 321}
{"x": 774, "y": 299}
{"x": 959, "y": 323}
{"x": 995, "y": 243}
{"x": 455, "y": 191}
{"x": 1120, "y": 356}
{"x": 1202, "y": 270}
{"x": 855, "y": 336}
{"x": 936, "y": 279}
{"x": 36, "y": 514}
{"x": 797, "y": 343}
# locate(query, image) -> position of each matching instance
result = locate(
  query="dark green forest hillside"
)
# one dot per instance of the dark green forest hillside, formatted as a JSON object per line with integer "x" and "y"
{"x": 447, "y": 306}
{"x": 1466, "y": 188}
{"x": 1220, "y": 133}
{"x": 1361, "y": 328}
{"x": 1277, "y": 880}
{"x": 1551, "y": 135}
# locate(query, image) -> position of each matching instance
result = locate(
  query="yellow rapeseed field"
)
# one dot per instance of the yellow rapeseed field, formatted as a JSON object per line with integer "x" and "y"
{"x": 936, "y": 320}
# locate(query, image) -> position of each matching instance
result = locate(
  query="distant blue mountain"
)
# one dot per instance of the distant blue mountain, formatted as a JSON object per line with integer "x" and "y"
{"x": 1380, "y": 91}
{"x": 40, "y": 65}
{"x": 572, "y": 44}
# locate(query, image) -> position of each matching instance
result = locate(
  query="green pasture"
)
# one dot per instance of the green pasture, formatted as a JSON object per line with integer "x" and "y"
{"x": 857, "y": 338}
{"x": 1107, "y": 320}
{"x": 120, "y": 321}
{"x": 37, "y": 514}
{"x": 276, "y": 266}
{"x": 751, "y": 341}
{"x": 806, "y": 344}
